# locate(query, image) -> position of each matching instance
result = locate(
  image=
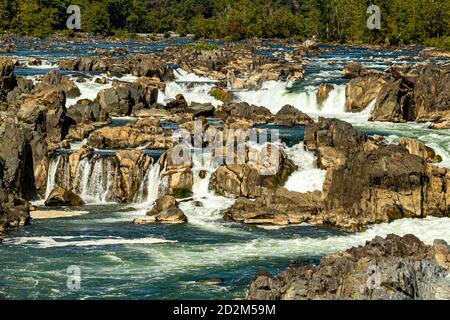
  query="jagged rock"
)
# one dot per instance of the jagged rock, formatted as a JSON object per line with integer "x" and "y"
{"x": 138, "y": 65}
{"x": 131, "y": 163}
{"x": 333, "y": 140}
{"x": 122, "y": 98}
{"x": 177, "y": 179}
{"x": 367, "y": 182}
{"x": 14, "y": 212}
{"x": 418, "y": 94}
{"x": 22, "y": 87}
{"x": 394, "y": 102}
{"x": 86, "y": 111}
{"x": 323, "y": 92}
{"x": 266, "y": 169}
{"x": 417, "y": 148}
{"x": 234, "y": 112}
{"x": 290, "y": 116}
{"x": 164, "y": 211}
{"x": 60, "y": 197}
{"x": 404, "y": 269}
{"x": 54, "y": 80}
{"x": 360, "y": 91}
{"x": 7, "y": 78}
{"x": 178, "y": 104}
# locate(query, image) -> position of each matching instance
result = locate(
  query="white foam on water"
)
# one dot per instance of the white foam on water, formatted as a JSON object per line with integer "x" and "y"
{"x": 210, "y": 255}
{"x": 53, "y": 242}
{"x": 209, "y": 216}
{"x": 275, "y": 94}
{"x": 308, "y": 177}
{"x": 90, "y": 88}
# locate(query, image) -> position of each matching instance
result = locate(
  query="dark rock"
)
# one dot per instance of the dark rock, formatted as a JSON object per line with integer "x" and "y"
{"x": 384, "y": 269}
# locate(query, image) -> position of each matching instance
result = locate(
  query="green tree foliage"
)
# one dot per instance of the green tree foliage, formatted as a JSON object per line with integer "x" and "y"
{"x": 403, "y": 21}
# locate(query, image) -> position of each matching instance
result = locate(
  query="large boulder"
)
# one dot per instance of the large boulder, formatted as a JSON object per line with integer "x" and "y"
{"x": 394, "y": 268}
{"x": 177, "y": 178}
{"x": 360, "y": 91}
{"x": 263, "y": 169}
{"x": 55, "y": 80}
{"x": 290, "y": 116}
{"x": 86, "y": 111}
{"x": 123, "y": 98}
{"x": 165, "y": 211}
{"x": 60, "y": 197}
{"x": 352, "y": 70}
{"x": 279, "y": 208}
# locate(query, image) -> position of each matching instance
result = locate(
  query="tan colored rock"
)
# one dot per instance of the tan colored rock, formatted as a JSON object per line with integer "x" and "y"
{"x": 418, "y": 148}
{"x": 61, "y": 197}
{"x": 360, "y": 91}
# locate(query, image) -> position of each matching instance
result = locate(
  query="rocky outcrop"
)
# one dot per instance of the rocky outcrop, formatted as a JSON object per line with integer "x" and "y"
{"x": 360, "y": 91}
{"x": 7, "y": 79}
{"x": 289, "y": 116}
{"x": 60, "y": 197}
{"x": 122, "y": 99}
{"x": 367, "y": 182}
{"x": 262, "y": 169}
{"x": 133, "y": 135}
{"x": 234, "y": 112}
{"x": 394, "y": 268}
{"x": 86, "y": 111}
{"x": 165, "y": 211}
{"x": 138, "y": 65}
{"x": 177, "y": 178}
{"x": 417, "y": 94}
{"x": 323, "y": 92}
{"x": 16, "y": 174}
{"x": 55, "y": 80}
{"x": 418, "y": 148}
{"x": 353, "y": 70}
{"x": 279, "y": 208}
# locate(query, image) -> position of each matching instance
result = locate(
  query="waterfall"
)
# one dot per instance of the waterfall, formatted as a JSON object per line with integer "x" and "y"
{"x": 95, "y": 180}
{"x": 51, "y": 175}
{"x": 149, "y": 186}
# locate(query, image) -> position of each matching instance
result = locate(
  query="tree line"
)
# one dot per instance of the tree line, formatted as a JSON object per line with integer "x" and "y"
{"x": 344, "y": 21}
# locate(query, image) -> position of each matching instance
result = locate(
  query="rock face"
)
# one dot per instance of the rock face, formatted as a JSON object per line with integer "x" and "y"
{"x": 138, "y": 65}
{"x": 289, "y": 116}
{"x": 16, "y": 174}
{"x": 61, "y": 197}
{"x": 360, "y": 91}
{"x": 133, "y": 135}
{"x": 7, "y": 79}
{"x": 394, "y": 268}
{"x": 177, "y": 179}
{"x": 54, "y": 80}
{"x": 267, "y": 169}
{"x": 323, "y": 92}
{"x": 367, "y": 182}
{"x": 419, "y": 94}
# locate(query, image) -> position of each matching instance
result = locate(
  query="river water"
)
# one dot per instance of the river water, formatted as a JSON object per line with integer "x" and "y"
{"x": 119, "y": 260}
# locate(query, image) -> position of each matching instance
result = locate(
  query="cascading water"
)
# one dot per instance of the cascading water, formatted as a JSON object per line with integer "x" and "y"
{"x": 51, "y": 176}
{"x": 149, "y": 187}
{"x": 97, "y": 179}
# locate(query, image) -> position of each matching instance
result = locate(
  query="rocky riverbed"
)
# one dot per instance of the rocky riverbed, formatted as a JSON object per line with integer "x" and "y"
{"x": 105, "y": 131}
